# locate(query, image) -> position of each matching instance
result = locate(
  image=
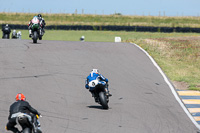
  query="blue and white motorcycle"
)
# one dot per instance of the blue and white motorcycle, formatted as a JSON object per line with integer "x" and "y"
{"x": 100, "y": 93}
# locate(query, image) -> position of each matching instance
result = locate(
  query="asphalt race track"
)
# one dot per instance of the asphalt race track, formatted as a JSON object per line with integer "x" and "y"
{"x": 52, "y": 76}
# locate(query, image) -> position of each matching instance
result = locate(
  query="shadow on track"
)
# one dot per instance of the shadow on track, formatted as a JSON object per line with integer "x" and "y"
{"x": 34, "y": 43}
{"x": 96, "y": 107}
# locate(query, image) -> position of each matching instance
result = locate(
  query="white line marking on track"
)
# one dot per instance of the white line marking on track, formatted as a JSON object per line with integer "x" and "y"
{"x": 170, "y": 86}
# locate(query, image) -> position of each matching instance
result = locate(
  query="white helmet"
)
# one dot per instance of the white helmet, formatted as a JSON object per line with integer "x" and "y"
{"x": 95, "y": 71}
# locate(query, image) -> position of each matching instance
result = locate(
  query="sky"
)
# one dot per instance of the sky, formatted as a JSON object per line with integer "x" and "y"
{"x": 105, "y": 7}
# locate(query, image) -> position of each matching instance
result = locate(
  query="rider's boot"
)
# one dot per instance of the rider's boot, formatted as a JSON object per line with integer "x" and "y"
{"x": 30, "y": 33}
{"x": 40, "y": 31}
{"x": 96, "y": 99}
{"x": 107, "y": 92}
{"x": 93, "y": 95}
{"x": 38, "y": 123}
{"x": 38, "y": 126}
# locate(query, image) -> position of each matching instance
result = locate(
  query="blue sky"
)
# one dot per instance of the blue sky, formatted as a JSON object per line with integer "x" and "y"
{"x": 125, "y": 7}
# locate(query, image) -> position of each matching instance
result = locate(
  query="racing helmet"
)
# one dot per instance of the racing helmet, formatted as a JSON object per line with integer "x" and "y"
{"x": 39, "y": 16}
{"x": 20, "y": 96}
{"x": 6, "y": 24}
{"x": 95, "y": 71}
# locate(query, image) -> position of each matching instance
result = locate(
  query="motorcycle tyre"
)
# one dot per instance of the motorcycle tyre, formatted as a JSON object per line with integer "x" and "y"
{"x": 39, "y": 131}
{"x": 103, "y": 100}
{"x": 27, "y": 130}
{"x": 35, "y": 37}
{"x": 6, "y": 36}
{"x": 40, "y": 38}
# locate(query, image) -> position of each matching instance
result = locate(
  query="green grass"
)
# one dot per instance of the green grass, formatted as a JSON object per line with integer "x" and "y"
{"x": 178, "y": 54}
{"x": 77, "y": 19}
{"x": 101, "y": 36}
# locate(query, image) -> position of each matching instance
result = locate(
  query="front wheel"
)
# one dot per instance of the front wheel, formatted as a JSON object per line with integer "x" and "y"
{"x": 35, "y": 36}
{"x": 103, "y": 100}
{"x": 40, "y": 38}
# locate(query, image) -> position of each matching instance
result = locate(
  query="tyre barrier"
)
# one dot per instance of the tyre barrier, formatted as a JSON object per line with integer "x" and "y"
{"x": 112, "y": 28}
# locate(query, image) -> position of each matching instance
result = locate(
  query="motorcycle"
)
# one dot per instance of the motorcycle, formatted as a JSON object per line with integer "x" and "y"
{"x": 28, "y": 126}
{"x": 36, "y": 30}
{"x": 100, "y": 93}
{"x": 6, "y": 33}
{"x": 14, "y": 34}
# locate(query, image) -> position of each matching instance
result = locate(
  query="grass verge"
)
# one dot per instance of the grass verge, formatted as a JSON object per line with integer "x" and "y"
{"x": 179, "y": 57}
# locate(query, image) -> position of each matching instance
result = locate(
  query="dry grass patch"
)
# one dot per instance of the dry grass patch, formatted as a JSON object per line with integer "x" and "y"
{"x": 179, "y": 57}
{"x": 87, "y": 19}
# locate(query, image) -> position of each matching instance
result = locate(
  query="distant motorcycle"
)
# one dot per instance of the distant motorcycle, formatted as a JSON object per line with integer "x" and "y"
{"x": 100, "y": 93}
{"x": 28, "y": 127}
{"x": 14, "y": 34}
{"x": 36, "y": 30}
{"x": 6, "y": 32}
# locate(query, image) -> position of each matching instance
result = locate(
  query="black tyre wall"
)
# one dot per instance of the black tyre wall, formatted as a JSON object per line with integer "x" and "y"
{"x": 112, "y": 28}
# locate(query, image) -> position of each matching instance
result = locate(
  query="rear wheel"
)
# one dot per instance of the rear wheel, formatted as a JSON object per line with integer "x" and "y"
{"x": 103, "y": 100}
{"x": 6, "y": 36}
{"x": 27, "y": 130}
{"x": 35, "y": 37}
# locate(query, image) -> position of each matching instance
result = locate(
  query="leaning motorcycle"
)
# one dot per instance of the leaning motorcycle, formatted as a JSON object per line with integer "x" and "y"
{"x": 36, "y": 30}
{"x": 27, "y": 124}
{"x": 100, "y": 93}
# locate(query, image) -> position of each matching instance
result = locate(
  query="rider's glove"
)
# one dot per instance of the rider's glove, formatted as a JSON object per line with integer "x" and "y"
{"x": 39, "y": 114}
{"x": 106, "y": 80}
{"x": 86, "y": 86}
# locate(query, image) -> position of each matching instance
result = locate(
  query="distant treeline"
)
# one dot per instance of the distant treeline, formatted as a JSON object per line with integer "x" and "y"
{"x": 113, "y": 28}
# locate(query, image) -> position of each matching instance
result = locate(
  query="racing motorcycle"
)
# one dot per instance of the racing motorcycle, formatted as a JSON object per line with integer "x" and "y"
{"x": 36, "y": 30}
{"x": 27, "y": 124}
{"x": 100, "y": 93}
{"x": 6, "y": 33}
{"x": 14, "y": 34}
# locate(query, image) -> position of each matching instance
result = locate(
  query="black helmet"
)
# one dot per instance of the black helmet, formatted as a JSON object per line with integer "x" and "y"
{"x": 39, "y": 15}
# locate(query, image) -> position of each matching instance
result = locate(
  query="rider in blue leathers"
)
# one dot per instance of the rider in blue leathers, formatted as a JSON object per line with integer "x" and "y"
{"x": 102, "y": 80}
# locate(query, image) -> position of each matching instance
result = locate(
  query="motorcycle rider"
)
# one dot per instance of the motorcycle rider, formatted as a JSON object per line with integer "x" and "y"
{"x": 42, "y": 22}
{"x": 18, "y": 107}
{"x": 6, "y": 30}
{"x": 94, "y": 74}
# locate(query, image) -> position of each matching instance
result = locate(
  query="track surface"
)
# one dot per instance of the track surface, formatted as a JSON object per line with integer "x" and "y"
{"x": 52, "y": 76}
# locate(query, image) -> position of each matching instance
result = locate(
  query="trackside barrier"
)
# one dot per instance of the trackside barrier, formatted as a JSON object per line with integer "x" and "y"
{"x": 112, "y": 28}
